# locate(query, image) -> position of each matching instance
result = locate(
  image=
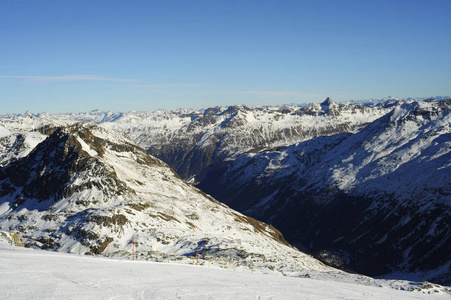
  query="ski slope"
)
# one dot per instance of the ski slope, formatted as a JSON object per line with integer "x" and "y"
{"x": 36, "y": 274}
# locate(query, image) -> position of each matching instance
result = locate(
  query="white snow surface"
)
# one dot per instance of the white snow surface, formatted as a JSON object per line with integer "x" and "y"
{"x": 37, "y": 274}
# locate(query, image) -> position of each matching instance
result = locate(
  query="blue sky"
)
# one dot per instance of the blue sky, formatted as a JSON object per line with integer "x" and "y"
{"x": 73, "y": 56}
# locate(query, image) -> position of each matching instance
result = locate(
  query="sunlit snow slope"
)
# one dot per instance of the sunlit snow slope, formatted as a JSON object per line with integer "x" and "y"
{"x": 36, "y": 274}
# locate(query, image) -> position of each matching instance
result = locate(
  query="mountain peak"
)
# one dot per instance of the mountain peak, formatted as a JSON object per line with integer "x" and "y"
{"x": 330, "y": 107}
{"x": 328, "y": 102}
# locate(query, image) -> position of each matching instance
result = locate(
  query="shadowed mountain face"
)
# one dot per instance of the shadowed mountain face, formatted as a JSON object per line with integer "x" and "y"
{"x": 373, "y": 201}
{"x": 84, "y": 187}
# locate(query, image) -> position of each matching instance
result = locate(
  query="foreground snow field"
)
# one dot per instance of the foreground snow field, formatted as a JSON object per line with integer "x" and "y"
{"x": 36, "y": 274}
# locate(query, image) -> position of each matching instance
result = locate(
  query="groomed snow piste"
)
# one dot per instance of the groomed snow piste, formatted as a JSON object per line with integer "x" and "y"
{"x": 37, "y": 274}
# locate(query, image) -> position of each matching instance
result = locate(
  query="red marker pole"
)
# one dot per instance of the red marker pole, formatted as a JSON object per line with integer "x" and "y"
{"x": 133, "y": 248}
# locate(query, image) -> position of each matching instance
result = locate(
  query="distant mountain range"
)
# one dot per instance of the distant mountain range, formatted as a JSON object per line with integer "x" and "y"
{"x": 364, "y": 186}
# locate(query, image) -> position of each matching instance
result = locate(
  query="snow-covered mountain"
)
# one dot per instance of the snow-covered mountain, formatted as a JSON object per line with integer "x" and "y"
{"x": 375, "y": 201}
{"x": 85, "y": 189}
{"x": 390, "y": 98}
{"x": 191, "y": 140}
{"x": 363, "y": 185}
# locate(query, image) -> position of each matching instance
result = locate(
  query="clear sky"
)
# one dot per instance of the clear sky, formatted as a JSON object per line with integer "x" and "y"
{"x": 76, "y": 55}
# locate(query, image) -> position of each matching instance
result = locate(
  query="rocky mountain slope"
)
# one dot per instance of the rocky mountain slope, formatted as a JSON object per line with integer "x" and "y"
{"x": 374, "y": 201}
{"x": 84, "y": 189}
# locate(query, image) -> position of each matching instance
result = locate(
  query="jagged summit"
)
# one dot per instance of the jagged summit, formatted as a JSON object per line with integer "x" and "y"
{"x": 327, "y": 102}
{"x": 330, "y": 107}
